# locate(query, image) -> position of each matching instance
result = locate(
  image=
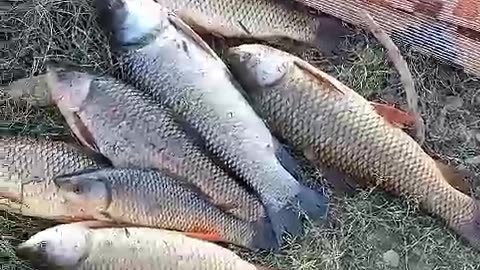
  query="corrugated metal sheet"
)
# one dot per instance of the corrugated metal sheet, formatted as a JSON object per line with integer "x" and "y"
{"x": 449, "y": 30}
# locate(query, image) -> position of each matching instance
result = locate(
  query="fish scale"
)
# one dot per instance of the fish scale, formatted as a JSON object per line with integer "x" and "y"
{"x": 339, "y": 130}
{"x": 157, "y": 201}
{"x": 261, "y": 18}
{"x": 72, "y": 246}
{"x": 133, "y": 130}
{"x": 27, "y": 168}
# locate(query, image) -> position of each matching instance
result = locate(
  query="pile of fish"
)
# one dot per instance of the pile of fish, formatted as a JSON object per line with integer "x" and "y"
{"x": 179, "y": 148}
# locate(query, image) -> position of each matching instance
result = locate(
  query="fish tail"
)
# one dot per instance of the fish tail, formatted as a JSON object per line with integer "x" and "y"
{"x": 328, "y": 34}
{"x": 288, "y": 219}
{"x": 470, "y": 231}
{"x": 285, "y": 220}
{"x": 263, "y": 236}
{"x": 287, "y": 160}
{"x": 315, "y": 204}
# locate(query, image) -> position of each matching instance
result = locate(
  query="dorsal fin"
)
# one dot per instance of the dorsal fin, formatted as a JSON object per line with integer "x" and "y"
{"x": 320, "y": 75}
{"x": 187, "y": 30}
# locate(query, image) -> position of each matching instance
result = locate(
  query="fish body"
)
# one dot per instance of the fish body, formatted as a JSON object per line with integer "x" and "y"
{"x": 261, "y": 19}
{"x": 339, "y": 130}
{"x": 146, "y": 197}
{"x": 27, "y": 168}
{"x": 162, "y": 56}
{"x": 133, "y": 130}
{"x": 75, "y": 247}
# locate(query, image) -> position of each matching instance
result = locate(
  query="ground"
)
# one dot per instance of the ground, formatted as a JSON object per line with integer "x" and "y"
{"x": 372, "y": 227}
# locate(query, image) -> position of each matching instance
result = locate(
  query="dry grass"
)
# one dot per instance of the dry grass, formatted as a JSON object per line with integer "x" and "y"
{"x": 370, "y": 223}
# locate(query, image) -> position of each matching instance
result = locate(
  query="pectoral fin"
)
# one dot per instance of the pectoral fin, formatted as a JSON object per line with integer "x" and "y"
{"x": 397, "y": 117}
{"x": 212, "y": 237}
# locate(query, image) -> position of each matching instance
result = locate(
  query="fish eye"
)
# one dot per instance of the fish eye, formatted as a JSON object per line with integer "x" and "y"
{"x": 245, "y": 56}
{"x": 77, "y": 189}
{"x": 42, "y": 245}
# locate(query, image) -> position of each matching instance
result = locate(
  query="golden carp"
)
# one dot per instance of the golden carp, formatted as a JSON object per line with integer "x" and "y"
{"x": 259, "y": 19}
{"x": 77, "y": 247}
{"x": 341, "y": 132}
{"x": 147, "y": 197}
{"x": 133, "y": 130}
{"x": 162, "y": 56}
{"x": 27, "y": 168}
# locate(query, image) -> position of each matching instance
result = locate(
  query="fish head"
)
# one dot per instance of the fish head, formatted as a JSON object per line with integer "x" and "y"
{"x": 87, "y": 190}
{"x": 128, "y": 22}
{"x": 63, "y": 245}
{"x": 257, "y": 66}
{"x": 69, "y": 85}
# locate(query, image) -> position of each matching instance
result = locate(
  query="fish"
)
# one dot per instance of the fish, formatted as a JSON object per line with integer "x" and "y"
{"x": 133, "y": 130}
{"x": 78, "y": 247}
{"x": 266, "y": 20}
{"x": 28, "y": 165}
{"x": 160, "y": 54}
{"x": 150, "y": 198}
{"x": 340, "y": 132}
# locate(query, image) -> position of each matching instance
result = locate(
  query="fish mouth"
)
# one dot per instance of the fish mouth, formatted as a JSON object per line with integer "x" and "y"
{"x": 28, "y": 252}
{"x": 34, "y": 255}
{"x": 128, "y": 22}
{"x": 111, "y": 15}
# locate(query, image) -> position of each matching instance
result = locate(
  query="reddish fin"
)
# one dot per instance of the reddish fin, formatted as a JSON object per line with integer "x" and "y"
{"x": 212, "y": 237}
{"x": 395, "y": 116}
{"x": 454, "y": 177}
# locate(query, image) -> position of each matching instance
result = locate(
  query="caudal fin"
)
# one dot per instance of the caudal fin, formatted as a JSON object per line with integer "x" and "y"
{"x": 329, "y": 34}
{"x": 286, "y": 220}
{"x": 315, "y": 204}
{"x": 263, "y": 237}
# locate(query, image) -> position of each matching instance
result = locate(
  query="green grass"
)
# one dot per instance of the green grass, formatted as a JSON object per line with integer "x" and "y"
{"x": 364, "y": 227}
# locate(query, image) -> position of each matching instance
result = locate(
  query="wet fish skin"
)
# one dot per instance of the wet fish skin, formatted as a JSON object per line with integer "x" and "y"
{"x": 150, "y": 198}
{"x": 162, "y": 56}
{"x": 337, "y": 128}
{"x": 133, "y": 130}
{"x": 27, "y": 168}
{"x": 259, "y": 19}
{"x": 76, "y": 247}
